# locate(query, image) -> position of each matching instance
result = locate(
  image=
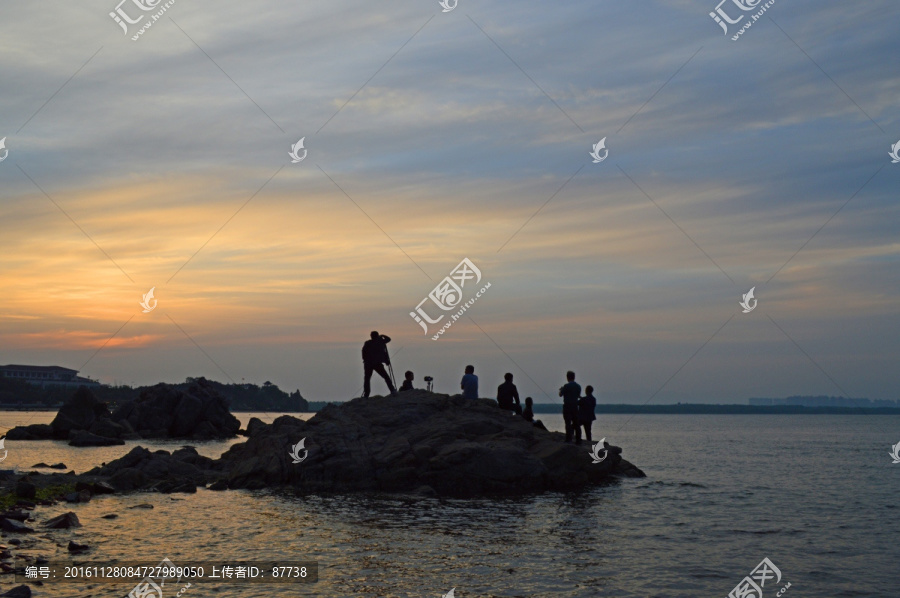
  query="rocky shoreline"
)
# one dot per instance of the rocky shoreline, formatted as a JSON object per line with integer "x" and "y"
{"x": 418, "y": 443}
{"x": 162, "y": 411}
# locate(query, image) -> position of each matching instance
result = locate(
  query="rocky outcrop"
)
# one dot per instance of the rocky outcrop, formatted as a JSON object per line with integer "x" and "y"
{"x": 430, "y": 444}
{"x": 162, "y": 411}
{"x": 452, "y": 445}
{"x": 32, "y": 432}
{"x": 78, "y": 413}
{"x": 161, "y": 471}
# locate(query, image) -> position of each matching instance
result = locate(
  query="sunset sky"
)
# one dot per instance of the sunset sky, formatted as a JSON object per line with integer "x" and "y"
{"x": 433, "y": 137}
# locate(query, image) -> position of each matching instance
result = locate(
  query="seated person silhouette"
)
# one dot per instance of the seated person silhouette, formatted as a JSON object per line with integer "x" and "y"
{"x": 407, "y": 383}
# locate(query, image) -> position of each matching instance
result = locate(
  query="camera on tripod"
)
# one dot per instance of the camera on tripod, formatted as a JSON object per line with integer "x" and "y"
{"x": 428, "y": 383}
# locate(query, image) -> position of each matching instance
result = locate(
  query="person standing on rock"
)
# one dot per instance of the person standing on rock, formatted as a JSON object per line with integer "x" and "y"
{"x": 570, "y": 392}
{"x": 586, "y": 406}
{"x": 375, "y": 355}
{"x": 506, "y": 392}
{"x": 469, "y": 383}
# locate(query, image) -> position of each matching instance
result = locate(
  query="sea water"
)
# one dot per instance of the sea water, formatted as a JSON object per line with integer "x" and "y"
{"x": 817, "y": 495}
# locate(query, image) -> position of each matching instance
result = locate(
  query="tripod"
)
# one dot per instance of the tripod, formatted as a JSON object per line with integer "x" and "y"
{"x": 387, "y": 357}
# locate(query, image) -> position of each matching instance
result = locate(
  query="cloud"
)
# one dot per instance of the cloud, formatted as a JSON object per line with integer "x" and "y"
{"x": 429, "y": 143}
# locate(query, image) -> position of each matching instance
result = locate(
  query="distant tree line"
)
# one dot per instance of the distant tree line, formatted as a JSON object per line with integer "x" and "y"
{"x": 241, "y": 397}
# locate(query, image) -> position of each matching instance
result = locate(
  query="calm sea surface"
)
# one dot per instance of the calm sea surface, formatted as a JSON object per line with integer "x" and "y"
{"x": 817, "y": 495}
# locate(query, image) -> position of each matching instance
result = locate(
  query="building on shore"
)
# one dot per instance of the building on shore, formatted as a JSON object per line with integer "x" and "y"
{"x": 46, "y": 376}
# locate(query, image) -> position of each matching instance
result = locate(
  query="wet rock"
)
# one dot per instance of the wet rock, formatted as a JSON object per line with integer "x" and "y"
{"x": 76, "y": 547}
{"x": 128, "y": 480}
{"x": 99, "y": 488}
{"x": 18, "y": 592}
{"x": 64, "y": 521}
{"x": 78, "y": 497}
{"x": 171, "y": 486}
{"x": 14, "y": 514}
{"x": 84, "y": 438}
{"x": 181, "y": 471}
{"x": 43, "y": 465}
{"x": 25, "y": 488}
{"x": 219, "y": 485}
{"x": 15, "y": 527}
{"x": 110, "y": 516}
{"x": 142, "y": 506}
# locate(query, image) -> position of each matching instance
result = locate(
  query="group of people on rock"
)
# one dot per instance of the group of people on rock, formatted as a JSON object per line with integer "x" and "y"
{"x": 578, "y": 411}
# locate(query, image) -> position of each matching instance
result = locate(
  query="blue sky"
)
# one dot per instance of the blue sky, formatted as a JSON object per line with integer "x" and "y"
{"x": 432, "y": 137}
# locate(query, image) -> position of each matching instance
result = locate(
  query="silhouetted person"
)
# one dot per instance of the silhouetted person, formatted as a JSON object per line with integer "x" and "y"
{"x": 506, "y": 393}
{"x": 407, "y": 383}
{"x": 570, "y": 392}
{"x": 528, "y": 414}
{"x": 375, "y": 355}
{"x": 586, "y": 406}
{"x": 469, "y": 383}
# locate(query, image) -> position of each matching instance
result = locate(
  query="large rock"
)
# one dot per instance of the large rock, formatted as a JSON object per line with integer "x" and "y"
{"x": 14, "y": 527}
{"x": 107, "y": 428}
{"x": 141, "y": 469}
{"x": 453, "y": 445}
{"x": 64, "y": 521}
{"x": 78, "y": 413}
{"x": 32, "y": 432}
{"x": 81, "y": 412}
{"x": 164, "y": 411}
